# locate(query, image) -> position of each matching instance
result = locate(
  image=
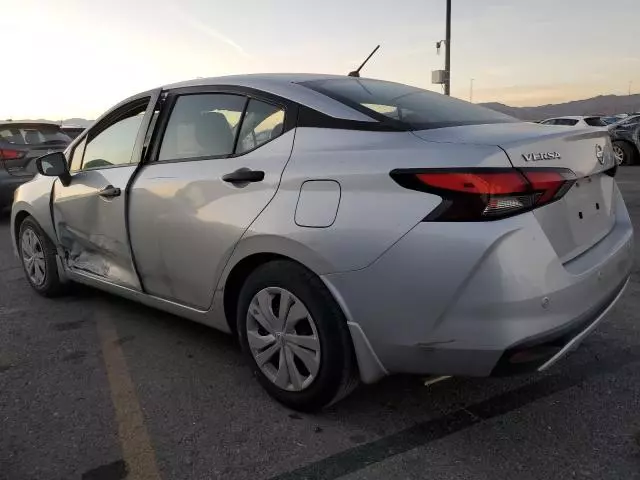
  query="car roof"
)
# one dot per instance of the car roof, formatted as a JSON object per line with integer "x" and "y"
{"x": 255, "y": 78}
{"x": 286, "y": 85}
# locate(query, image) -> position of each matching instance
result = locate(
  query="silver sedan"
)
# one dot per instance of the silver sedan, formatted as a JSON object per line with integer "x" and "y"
{"x": 343, "y": 228}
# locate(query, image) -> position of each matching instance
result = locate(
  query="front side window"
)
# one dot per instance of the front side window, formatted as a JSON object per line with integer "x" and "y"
{"x": 113, "y": 146}
{"x": 405, "y": 106}
{"x": 262, "y": 122}
{"x": 202, "y": 125}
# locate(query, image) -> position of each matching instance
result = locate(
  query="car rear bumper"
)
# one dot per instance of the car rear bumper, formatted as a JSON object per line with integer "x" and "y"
{"x": 483, "y": 299}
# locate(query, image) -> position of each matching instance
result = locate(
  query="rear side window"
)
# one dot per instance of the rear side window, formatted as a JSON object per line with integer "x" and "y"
{"x": 202, "y": 125}
{"x": 33, "y": 134}
{"x": 595, "y": 122}
{"x": 262, "y": 122}
{"x": 405, "y": 106}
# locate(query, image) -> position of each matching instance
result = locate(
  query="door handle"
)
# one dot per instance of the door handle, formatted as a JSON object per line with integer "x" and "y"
{"x": 244, "y": 175}
{"x": 109, "y": 192}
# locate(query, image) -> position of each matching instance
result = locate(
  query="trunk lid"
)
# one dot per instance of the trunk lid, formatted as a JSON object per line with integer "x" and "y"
{"x": 585, "y": 214}
{"x": 30, "y": 140}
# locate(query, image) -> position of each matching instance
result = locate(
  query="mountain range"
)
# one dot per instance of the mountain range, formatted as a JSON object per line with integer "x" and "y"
{"x": 600, "y": 105}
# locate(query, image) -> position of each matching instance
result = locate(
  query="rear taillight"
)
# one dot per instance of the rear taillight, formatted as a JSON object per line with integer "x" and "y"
{"x": 481, "y": 194}
{"x": 10, "y": 154}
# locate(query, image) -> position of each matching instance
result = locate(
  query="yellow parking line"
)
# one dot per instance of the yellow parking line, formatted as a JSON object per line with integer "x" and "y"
{"x": 134, "y": 439}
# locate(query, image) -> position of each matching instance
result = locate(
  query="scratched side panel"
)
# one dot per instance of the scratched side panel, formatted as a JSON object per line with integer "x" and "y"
{"x": 91, "y": 229}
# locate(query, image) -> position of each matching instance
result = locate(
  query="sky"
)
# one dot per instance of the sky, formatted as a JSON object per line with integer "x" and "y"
{"x": 77, "y": 58}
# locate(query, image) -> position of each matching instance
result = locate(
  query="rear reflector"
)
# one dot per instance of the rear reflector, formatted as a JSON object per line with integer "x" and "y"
{"x": 10, "y": 154}
{"x": 487, "y": 194}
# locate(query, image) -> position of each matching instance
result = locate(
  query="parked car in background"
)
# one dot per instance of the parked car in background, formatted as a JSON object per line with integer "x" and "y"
{"x": 575, "y": 121}
{"x": 72, "y": 131}
{"x": 19, "y": 144}
{"x": 404, "y": 231}
{"x": 625, "y": 136}
{"x": 611, "y": 119}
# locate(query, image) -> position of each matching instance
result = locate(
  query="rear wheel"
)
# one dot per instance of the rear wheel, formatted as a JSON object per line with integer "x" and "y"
{"x": 295, "y": 337}
{"x": 624, "y": 153}
{"x": 38, "y": 257}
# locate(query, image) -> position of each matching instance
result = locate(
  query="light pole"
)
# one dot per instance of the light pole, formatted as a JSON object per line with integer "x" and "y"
{"x": 471, "y": 90}
{"x": 447, "y": 58}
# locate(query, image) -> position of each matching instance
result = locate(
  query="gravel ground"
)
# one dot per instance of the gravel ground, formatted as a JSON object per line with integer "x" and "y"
{"x": 99, "y": 388}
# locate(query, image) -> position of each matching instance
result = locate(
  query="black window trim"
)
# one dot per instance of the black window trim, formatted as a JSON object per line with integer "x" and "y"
{"x": 289, "y": 107}
{"x": 111, "y": 118}
{"x": 241, "y": 124}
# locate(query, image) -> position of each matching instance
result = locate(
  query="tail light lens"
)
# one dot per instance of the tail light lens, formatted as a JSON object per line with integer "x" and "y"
{"x": 481, "y": 194}
{"x": 10, "y": 154}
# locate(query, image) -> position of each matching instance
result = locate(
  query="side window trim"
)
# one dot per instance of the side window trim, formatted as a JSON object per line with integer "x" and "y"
{"x": 289, "y": 107}
{"x": 111, "y": 119}
{"x": 163, "y": 122}
{"x": 112, "y": 116}
{"x": 81, "y": 144}
{"x": 243, "y": 115}
{"x": 235, "y": 147}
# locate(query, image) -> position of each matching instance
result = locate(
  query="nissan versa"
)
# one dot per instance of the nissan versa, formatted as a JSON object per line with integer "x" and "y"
{"x": 343, "y": 228}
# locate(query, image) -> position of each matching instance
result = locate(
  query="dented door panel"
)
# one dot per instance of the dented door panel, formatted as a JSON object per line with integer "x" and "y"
{"x": 91, "y": 228}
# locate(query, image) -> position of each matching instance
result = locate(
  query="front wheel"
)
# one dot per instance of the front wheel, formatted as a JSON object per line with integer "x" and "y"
{"x": 38, "y": 257}
{"x": 623, "y": 153}
{"x": 295, "y": 337}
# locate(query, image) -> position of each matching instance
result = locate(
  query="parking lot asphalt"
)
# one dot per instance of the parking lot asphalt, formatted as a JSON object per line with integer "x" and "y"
{"x": 98, "y": 388}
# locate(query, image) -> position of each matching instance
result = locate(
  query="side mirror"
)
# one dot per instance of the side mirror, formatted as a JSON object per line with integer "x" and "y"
{"x": 54, "y": 165}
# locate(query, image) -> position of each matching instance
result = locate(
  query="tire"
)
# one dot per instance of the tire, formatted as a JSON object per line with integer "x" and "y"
{"x": 45, "y": 257}
{"x": 627, "y": 153}
{"x": 336, "y": 374}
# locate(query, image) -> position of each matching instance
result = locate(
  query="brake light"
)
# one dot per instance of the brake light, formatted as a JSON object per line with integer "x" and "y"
{"x": 10, "y": 154}
{"x": 487, "y": 194}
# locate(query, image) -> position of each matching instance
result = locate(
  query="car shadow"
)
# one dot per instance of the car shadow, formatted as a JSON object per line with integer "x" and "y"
{"x": 192, "y": 370}
{"x": 5, "y": 215}
{"x": 396, "y": 401}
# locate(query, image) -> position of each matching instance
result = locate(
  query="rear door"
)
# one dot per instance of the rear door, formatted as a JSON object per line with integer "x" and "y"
{"x": 217, "y": 161}
{"x": 22, "y": 142}
{"x": 90, "y": 213}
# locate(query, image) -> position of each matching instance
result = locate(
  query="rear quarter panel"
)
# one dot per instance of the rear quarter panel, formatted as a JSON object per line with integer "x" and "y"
{"x": 373, "y": 213}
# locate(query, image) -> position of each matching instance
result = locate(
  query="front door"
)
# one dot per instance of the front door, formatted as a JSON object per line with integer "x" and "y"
{"x": 215, "y": 168}
{"x": 89, "y": 213}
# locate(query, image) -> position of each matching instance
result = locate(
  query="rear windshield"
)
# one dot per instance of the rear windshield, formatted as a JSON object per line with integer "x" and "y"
{"x": 33, "y": 134}
{"x": 408, "y": 107}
